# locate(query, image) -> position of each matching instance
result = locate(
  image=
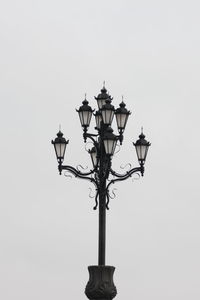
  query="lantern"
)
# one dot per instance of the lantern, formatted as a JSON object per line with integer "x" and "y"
{"x": 85, "y": 114}
{"x": 102, "y": 97}
{"x": 121, "y": 114}
{"x": 60, "y": 144}
{"x": 110, "y": 141}
{"x": 107, "y": 112}
{"x": 141, "y": 147}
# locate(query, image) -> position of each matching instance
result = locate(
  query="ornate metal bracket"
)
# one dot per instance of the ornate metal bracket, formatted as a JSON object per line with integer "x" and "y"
{"x": 79, "y": 174}
{"x": 124, "y": 176}
{"x": 94, "y": 180}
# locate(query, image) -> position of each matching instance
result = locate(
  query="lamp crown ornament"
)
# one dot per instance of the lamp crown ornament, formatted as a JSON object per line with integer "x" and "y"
{"x": 59, "y": 134}
{"x": 100, "y": 285}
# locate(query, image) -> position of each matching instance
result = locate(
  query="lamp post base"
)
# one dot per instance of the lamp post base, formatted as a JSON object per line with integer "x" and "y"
{"x": 100, "y": 285}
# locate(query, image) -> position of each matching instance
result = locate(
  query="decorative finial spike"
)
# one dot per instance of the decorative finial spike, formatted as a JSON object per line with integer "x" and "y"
{"x": 142, "y": 129}
{"x": 104, "y": 83}
{"x": 85, "y": 96}
{"x": 59, "y": 127}
{"x": 122, "y": 98}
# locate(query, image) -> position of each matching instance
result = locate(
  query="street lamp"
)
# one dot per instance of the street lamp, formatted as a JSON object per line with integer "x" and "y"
{"x": 100, "y": 285}
{"x": 141, "y": 147}
{"x": 107, "y": 112}
{"x": 110, "y": 141}
{"x": 85, "y": 114}
{"x": 102, "y": 97}
{"x": 60, "y": 144}
{"x": 122, "y": 115}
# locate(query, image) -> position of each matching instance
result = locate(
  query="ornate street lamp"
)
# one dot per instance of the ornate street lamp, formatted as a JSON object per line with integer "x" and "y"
{"x": 110, "y": 141}
{"x": 85, "y": 114}
{"x": 141, "y": 147}
{"x": 102, "y": 97}
{"x": 100, "y": 285}
{"x": 60, "y": 144}
{"x": 122, "y": 115}
{"x": 107, "y": 112}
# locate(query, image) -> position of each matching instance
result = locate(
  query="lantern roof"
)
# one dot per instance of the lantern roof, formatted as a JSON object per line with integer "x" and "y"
{"x": 60, "y": 139}
{"x": 109, "y": 134}
{"x": 141, "y": 141}
{"x": 108, "y": 105}
{"x": 85, "y": 106}
{"x": 97, "y": 113}
{"x": 122, "y": 109}
{"x": 103, "y": 94}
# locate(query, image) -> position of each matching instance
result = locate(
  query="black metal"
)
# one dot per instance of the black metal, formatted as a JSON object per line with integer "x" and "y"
{"x": 60, "y": 140}
{"x": 79, "y": 174}
{"x": 140, "y": 144}
{"x": 103, "y": 175}
{"x": 102, "y": 229}
{"x": 100, "y": 285}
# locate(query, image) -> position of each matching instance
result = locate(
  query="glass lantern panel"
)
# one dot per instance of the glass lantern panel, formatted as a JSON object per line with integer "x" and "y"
{"x": 109, "y": 146}
{"x": 85, "y": 117}
{"x": 89, "y": 115}
{"x": 141, "y": 152}
{"x": 81, "y": 117}
{"x": 60, "y": 150}
{"x": 121, "y": 120}
{"x": 94, "y": 158}
{"x": 107, "y": 116}
{"x": 98, "y": 121}
{"x": 114, "y": 146}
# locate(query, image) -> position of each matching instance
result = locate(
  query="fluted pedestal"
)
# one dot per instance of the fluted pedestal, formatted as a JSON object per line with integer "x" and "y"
{"x": 100, "y": 285}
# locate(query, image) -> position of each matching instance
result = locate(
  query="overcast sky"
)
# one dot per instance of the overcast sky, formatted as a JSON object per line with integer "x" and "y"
{"x": 52, "y": 53}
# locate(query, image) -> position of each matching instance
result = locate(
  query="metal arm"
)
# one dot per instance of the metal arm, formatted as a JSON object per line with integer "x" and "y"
{"x": 90, "y": 136}
{"x": 121, "y": 177}
{"x": 79, "y": 174}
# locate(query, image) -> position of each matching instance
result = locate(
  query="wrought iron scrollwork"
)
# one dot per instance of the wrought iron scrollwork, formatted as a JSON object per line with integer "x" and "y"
{"x": 96, "y": 201}
{"x": 121, "y": 177}
{"x": 93, "y": 177}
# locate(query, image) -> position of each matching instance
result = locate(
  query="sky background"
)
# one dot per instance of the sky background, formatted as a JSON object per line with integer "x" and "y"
{"x": 52, "y": 53}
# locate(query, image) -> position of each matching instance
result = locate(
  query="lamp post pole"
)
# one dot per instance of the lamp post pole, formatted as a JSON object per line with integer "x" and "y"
{"x": 104, "y": 165}
{"x": 100, "y": 285}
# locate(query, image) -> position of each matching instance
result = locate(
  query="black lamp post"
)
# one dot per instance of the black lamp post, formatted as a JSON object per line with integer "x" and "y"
{"x": 100, "y": 285}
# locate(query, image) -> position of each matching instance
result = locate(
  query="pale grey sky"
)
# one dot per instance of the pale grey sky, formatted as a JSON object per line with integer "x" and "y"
{"x": 52, "y": 52}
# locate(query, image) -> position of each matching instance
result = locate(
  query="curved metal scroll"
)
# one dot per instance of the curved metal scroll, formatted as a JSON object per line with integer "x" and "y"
{"x": 79, "y": 174}
{"x": 122, "y": 176}
{"x": 81, "y": 167}
{"x": 67, "y": 175}
{"x": 124, "y": 166}
{"x": 96, "y": 201}
{"x": 108, "y": 196}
